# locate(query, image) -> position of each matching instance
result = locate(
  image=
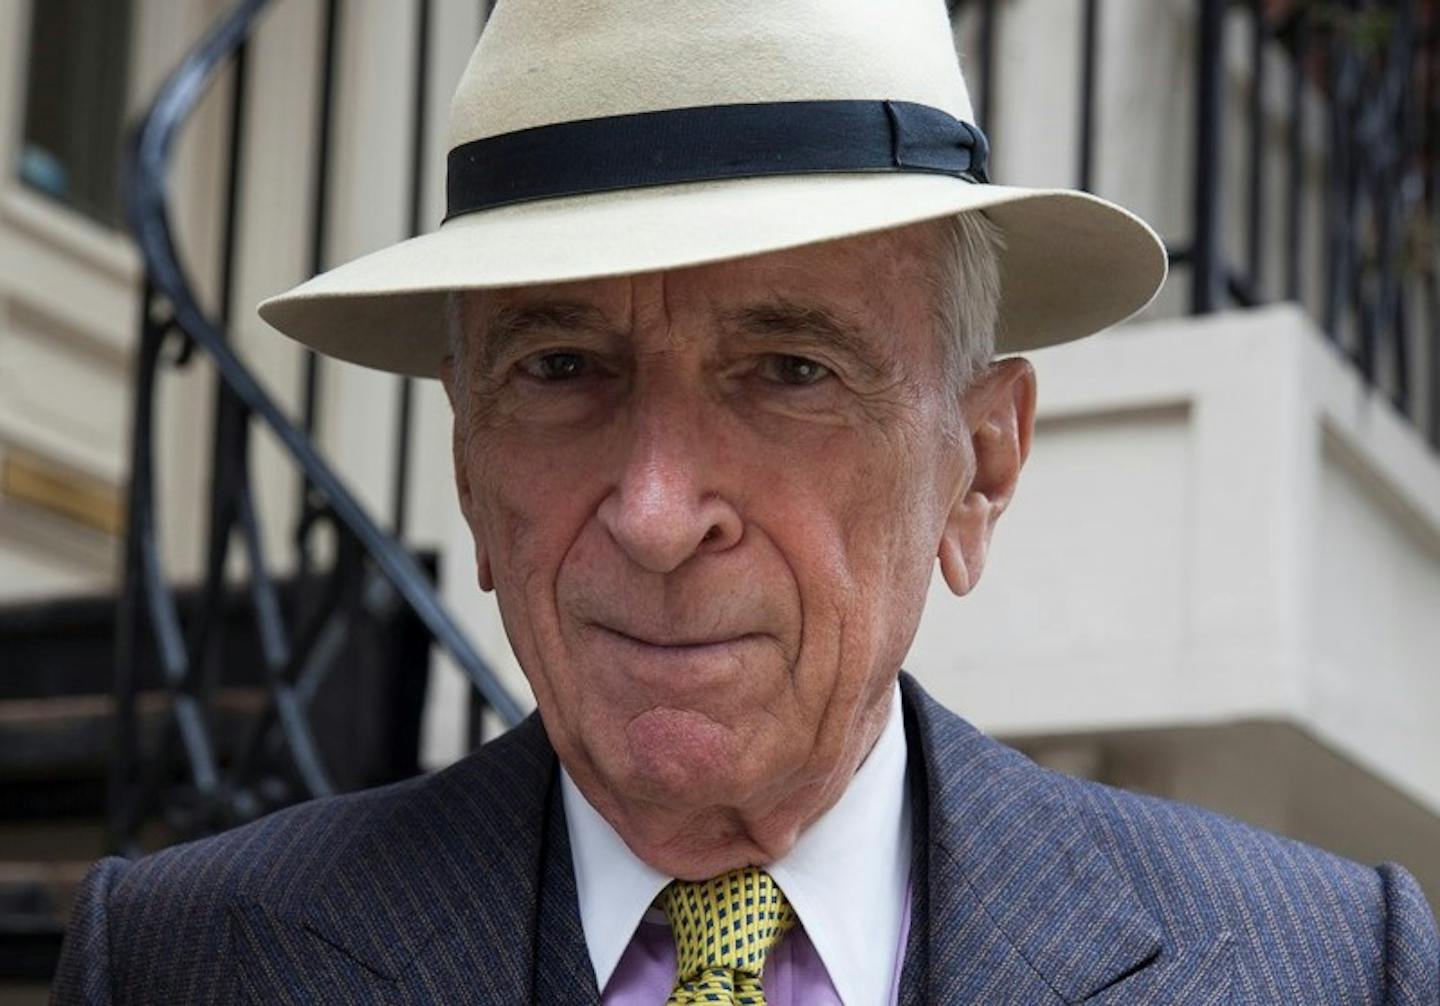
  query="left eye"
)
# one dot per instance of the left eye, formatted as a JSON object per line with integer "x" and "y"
{"x": 796, "y": 371}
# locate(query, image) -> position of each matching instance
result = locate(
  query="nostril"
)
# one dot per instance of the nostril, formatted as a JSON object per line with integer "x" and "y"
{"x": 711, "y": 534}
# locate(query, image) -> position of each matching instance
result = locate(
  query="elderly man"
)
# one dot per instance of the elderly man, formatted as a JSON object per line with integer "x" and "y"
{"x": 716, "y": 306}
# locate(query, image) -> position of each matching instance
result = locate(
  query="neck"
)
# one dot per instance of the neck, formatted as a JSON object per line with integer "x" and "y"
{"x": 696, "y": 844}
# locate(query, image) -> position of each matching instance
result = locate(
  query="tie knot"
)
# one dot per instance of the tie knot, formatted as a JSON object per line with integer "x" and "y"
{"x": 728, "y": 923}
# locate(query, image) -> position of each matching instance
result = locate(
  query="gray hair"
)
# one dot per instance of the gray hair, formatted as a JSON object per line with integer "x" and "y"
{"x": 966, "y": 286}
{"x": 965, "y": 283}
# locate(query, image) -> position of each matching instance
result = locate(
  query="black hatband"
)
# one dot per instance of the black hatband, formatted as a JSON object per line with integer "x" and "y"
{"x": 710, "y": 142}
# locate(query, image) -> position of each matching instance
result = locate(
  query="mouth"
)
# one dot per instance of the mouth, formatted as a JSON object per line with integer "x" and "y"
{"x": 680, "y": 668}
{"x": 679, "y": 643}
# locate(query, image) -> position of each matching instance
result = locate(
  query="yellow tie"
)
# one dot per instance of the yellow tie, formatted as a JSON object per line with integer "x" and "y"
{"x": 724, "y": 928}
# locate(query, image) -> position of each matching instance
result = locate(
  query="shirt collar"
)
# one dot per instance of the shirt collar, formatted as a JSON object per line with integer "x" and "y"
{"x": 612, "y": 884}
{"x": 847, "y": 876}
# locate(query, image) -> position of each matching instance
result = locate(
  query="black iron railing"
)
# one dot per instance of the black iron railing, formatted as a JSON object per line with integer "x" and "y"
{"x": 1341, "y": 100}
{"x": 187, "y": 777}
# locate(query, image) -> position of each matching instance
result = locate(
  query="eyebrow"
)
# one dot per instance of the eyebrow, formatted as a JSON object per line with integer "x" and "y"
{"x": 786, "y": 324}
{"x": 504, "y": 327}
{"x": 782, "y": 324}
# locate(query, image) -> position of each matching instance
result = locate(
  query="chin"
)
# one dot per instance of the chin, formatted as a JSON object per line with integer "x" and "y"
{"x": 681, "y": 758}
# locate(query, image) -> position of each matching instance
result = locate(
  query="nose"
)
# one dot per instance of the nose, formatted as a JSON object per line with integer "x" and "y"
{"x": 665, "y": 506}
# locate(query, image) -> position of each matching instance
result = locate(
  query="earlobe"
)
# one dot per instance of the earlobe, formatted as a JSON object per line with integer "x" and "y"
{"x": 964, "y": 541}
{"x": 483, "y": 576}
{"x": 953, "y": 566}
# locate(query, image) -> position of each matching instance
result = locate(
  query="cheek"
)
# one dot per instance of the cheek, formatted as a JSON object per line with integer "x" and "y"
{"x": 858, "y": 522}
{"x": 868, "y": 506}
{"x": 527, "y": 514}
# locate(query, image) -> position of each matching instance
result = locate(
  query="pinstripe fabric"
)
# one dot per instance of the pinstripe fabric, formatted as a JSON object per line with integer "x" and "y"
{"x": 402, "y": 894}
{"x": 563, "y": 972}
{"x": 1044, "y": 889}
{"x": 88, "y": 940}
{"x": 1030, "y": 889}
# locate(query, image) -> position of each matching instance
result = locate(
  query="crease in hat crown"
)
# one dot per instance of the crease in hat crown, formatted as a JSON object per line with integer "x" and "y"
{"x": 539, "y": 62}
{"x": 1071, "y": 263}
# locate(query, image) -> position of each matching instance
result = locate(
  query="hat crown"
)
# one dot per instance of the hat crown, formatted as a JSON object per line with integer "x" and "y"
{"x": 539, "y": 62}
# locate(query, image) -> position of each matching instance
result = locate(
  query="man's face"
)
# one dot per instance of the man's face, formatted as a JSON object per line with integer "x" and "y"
{"x": 709, "y": 501}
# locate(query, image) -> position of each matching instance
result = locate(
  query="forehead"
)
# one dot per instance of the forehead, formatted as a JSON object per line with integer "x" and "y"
{"x": 878, "y": 280}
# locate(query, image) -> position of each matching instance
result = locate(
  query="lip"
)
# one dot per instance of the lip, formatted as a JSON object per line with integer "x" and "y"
{"x": 678, "y": 669}
{"x": 678, "y": 644}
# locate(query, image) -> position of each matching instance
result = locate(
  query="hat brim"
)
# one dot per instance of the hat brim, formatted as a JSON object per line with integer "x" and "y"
{"x": 1072, "y": 264}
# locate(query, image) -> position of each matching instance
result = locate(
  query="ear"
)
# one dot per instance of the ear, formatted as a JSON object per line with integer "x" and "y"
{"x": 464, "y": 485}
{"x": 998, "y": 416}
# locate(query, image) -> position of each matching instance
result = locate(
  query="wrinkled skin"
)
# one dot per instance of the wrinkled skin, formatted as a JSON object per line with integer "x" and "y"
{"x": 709, "y": 501}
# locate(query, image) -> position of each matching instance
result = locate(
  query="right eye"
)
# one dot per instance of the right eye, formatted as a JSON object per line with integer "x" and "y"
{"x": 557, "y": 365}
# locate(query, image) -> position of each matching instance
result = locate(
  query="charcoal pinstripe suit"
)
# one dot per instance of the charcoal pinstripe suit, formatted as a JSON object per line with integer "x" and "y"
{"x": 1030, "y": 889}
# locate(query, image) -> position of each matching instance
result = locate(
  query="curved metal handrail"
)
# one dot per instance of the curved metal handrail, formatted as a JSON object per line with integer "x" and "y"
{"x": 145, "y": 180}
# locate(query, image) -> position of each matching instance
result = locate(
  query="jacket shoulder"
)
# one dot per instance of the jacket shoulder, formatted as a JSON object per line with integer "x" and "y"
{"x": 164, "y": 918}
{"x": 275, "y": 857}
{"x": 166, "y": 915}
{"x": 1300, "y": 917}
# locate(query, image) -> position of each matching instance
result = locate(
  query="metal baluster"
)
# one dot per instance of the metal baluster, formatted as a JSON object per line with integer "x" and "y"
{"x": 1399, "y": 196}
{"x": 418, "y": 133}
{"x": 1294, "y": 198}
{"x": 319, "y": 243}
{"x": 129, "y": 615}
{"x": 1337, "y": 189}
{"x": 145, "y": 599}
{"x": 1089, "y": 63}
{"x": 230, "y": 446}
{"x": 987, "y": 70}
{"x": 1255, "y": 246}
{"x": 1431, "y": 150}
{"x": 1207, "y": 267}
{"x": 277, "y": 654}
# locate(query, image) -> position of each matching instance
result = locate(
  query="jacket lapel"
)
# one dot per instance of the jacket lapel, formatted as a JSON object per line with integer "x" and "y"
{"x": 1022, "y": 907}
{"x": 564, "y": 974}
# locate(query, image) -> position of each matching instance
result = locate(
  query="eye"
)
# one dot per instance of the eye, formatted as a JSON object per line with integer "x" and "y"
{"x": 558, "y": 365}
{"x": 795, "y": 371}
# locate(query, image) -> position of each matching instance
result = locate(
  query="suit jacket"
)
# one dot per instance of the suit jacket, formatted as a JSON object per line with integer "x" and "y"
{"x": 1030, "y": 889}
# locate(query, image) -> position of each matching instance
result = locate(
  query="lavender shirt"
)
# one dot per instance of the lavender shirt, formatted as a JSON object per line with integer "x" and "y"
{"x": 794, "y": 975}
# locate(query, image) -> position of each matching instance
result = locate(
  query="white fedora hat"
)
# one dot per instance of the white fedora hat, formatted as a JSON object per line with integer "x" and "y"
{"x": 609, "y": 137}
